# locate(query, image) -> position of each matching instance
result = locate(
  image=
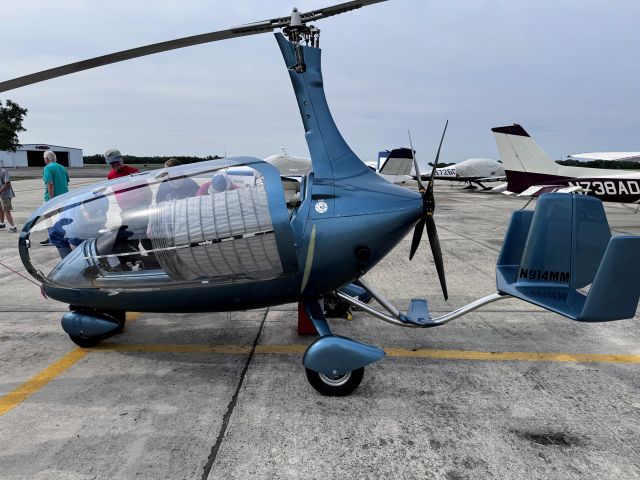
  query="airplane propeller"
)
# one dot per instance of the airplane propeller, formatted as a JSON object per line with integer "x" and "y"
{"x": 296, "y": 21}
{"x": 427, "y": 221}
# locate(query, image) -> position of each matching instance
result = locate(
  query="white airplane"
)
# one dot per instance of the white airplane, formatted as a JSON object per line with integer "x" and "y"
{"x": 290, "y": 165}
{"x": 530, "y": 172}
{"x": 395, "y": 167}
{"x": 473, "y": 170}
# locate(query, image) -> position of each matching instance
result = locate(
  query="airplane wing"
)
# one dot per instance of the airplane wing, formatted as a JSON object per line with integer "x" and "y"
{"x": 492, "y": 179}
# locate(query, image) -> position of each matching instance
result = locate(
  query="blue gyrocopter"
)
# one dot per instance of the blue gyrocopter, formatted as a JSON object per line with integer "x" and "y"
{"x": 250, "y": 246}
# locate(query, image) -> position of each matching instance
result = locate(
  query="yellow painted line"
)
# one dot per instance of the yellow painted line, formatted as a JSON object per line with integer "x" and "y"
{"x": 391, "y": 352}
{"x": 513, "y": 356}
{"x": 173, "y": 348}
{"x": 31, "y": 386}
{"x": 133, "y": 316}
{"x": 35, "y": 383}
{"x": 279, "y": 349}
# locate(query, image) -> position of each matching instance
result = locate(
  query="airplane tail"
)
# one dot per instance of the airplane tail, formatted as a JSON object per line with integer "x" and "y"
{"x": 398, "y": 161}
{"x": 552, "y": 256}
{"x": 525, "y": 163}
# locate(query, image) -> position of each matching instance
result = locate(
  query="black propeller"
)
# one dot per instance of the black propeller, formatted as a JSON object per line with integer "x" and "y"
{"x": 265, "y": 26}
{"x": 428, "y": 207}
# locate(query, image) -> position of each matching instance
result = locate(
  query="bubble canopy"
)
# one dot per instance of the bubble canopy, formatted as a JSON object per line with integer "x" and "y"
{"x": 220, "y": 221}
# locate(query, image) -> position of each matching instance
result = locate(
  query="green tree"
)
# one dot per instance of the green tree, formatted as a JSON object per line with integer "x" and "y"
{"x": 11, "y": 117}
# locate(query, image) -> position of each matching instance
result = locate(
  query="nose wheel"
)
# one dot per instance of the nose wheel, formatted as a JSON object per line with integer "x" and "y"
{"x": 335, "y": 385}
{"x": 88, "y": 327}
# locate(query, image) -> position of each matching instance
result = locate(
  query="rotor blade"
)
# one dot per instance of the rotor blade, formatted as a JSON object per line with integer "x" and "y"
{"x": 415, "y": 163}
{"x": 432, "y": 232}
{"x": 100, "y": 61}
{"x": 417, "y": 236}
{"x": 264, "y": 26}
{"x": 336, "y": 10}
{"x": 435, "y": 164}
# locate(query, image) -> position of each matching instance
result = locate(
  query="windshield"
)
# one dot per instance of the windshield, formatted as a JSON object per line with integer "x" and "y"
{"x": 204, "y": 222}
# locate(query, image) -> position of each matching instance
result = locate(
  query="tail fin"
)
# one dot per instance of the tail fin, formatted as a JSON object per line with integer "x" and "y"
{"x": 551, "y": 255}
{"x": 525, "y": 163}
{"x": 399, "y": 161}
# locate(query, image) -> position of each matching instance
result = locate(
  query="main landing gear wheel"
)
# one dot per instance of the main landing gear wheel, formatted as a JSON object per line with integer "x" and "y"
{"x": 86, "y": 342}
{"x": 335, "y": 385}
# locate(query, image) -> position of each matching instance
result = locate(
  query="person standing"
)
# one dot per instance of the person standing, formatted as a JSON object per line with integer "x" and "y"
{"x": 176, "y": 188}
{"x": 6, "y": 194}
{"x": 56, "y": 180}
{"x": 134, "y": 200}
{"x": 118, "y": 169}
{"x": 55, "y": 176}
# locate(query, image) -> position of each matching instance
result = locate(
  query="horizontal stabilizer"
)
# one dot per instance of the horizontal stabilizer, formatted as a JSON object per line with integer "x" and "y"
{"x": 502, "y": 188}
{"x": 549, "y": 255}
{"x": 537, "y": 190}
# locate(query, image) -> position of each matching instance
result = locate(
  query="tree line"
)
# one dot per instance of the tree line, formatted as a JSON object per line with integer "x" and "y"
{"x": 157, "y": 160}
{"x": 12, "y": 115}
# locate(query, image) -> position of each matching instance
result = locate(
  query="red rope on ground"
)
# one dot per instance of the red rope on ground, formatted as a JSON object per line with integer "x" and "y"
{"x": 18, "y": 273}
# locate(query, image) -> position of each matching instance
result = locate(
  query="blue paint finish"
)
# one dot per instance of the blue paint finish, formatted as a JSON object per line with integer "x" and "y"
{"x": 514, "y": 241}
{"x": 616, "y": 287}
{"x": 312, "y": 307}
{"x": 341, "y": 179}
{"x": 336, "y": 355}
{"x": 364, "y": 211}
{"x": 80, "y": 324}
{"x": 357, "y": 291}
{"x": 569, "y": 246}
{"x": 418, "y": 313}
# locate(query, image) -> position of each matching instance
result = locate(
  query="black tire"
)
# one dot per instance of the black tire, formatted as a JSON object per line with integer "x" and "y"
{"x": 85, "y": 342}
{"x": 339, "y": 386}
{"x": 120, "y": 316}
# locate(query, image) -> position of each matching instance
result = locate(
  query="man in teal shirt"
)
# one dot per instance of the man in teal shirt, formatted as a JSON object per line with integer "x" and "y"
{"x": 56, "y": 180}
{"x": 55, "y": 176}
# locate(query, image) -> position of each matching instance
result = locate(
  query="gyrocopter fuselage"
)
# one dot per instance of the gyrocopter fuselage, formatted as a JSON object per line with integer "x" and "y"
{"x": 173, "y": 240}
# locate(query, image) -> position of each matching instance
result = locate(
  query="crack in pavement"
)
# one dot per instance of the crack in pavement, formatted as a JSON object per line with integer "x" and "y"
{"x": 232, "y": 404}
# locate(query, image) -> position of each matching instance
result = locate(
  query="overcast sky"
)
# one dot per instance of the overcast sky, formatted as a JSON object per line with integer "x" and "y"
{"x": 567, "y": 71}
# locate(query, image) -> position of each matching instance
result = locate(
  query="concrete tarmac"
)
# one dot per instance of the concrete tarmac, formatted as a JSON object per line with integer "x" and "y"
{"x": 508, "y": 391}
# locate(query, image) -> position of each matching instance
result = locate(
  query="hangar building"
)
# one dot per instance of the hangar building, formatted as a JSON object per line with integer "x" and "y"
{"x": 30, "y": 155}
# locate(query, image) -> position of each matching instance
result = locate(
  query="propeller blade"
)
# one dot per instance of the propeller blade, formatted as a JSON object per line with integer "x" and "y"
{"x": 433, "y": 170}
{"x": 417, "y": 236}
{"x": 432, "y": 233}
{"x": 255, "y": 28}
{"x": 415, "y": 164}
